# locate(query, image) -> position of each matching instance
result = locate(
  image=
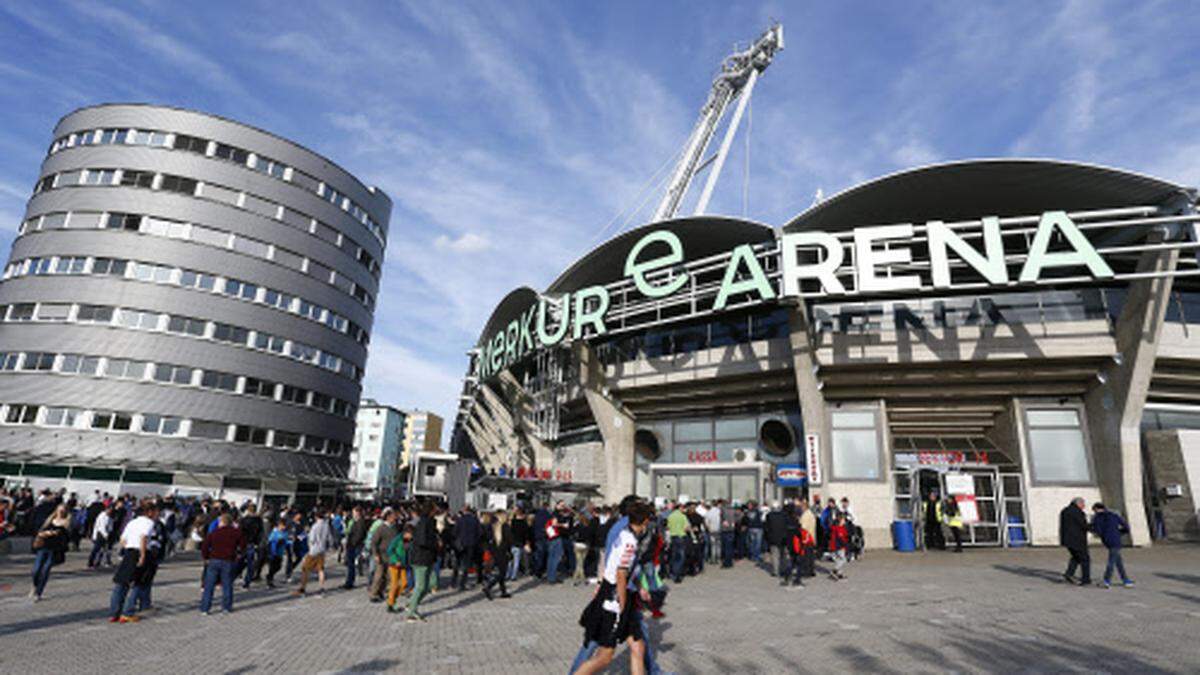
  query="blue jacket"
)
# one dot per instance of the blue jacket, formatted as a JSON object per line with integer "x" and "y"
{"x": 277, "y": 543}
{"x": 1109, "y": 526}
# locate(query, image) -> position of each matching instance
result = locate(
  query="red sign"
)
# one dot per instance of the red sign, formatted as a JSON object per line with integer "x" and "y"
{"x": 702, "y": 456}
{"x": 951, "y": 457}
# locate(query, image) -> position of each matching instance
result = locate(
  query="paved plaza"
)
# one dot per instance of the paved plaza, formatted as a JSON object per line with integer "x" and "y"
{"x": 983, "y": 611}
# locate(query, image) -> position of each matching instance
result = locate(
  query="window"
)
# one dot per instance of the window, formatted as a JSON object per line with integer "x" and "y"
{"x": 186, "y": 325}
{"x": 212, "y": 379}
{"x": 1057, "y": 449}
{"x": 44, "y": 184}
{"x": 112, "y": 421}
{"x": 314, "y": 443}
{"x": 54, "y": 221}
{"x": 133, "y": 318}
{"x": 309, "y": 310}
{"x": 286, "y": 439}
{"x": 257, "y": 387}
{"x": 164, "y": 228}
{"x": 21, "y": 311}
{"x": 158, "y": 424}
{"x": 10, "y": 361}
{"x": 38, "y": 361}
{"x": 94, "y": 314}
{"x": 175, "y": 374}
{"x": 178, "y": 184}
{"x": 228, "y": 152}
{"x": 207, "y": 235}
{"x": 250, "y": 247}
{"x": 109, "y": 266}
{"x": 70, "y": 265}
{"x": 227, "y": 333}
{"x": 321, "y": 401}
{"x": 124, "y": 221}
{"x": 276, "y": 299}
{"x": 154, "y": 138}
{"x": 53, "y": 312}
{"x": 19, "y": 413}
{"x": 100, "y": 177}
{"x": 240, "y": 289}
{"x": 111, "y": 136}
{"x": 61, "y": 417}
{"x": 204, "y": 282}
{"x": 142, "y": 179}
{"x": 40, "y": 265}
{"x": 191, "y": 144}
{"x": 126, "y": 369}
{"x": 294, "y": 394}
{"x": 855, "y": 445}
{"x": 77, "y": 363}
{"x": 218, "y": 431}
{"x": 254, "y": 435}
{"x": 271, "y": 343}
{"x": 156, "y": 273}
{"x": 303, "y": 352}
{"x": 84, "y": 220}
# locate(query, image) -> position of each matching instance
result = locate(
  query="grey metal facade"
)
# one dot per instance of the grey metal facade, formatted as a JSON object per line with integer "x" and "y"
{"x": 235, "y": 269}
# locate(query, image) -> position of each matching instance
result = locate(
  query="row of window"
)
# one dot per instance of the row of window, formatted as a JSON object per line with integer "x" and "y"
{"x": 165, "y": 274}
{"x": 166, "y": 425}
{"x": 198, "y": 234}
{"x": 138, "y": 319}
{"x": 210, "y": 148}
{"x": 167, "y": 373}
{"x": 106, "y": 177}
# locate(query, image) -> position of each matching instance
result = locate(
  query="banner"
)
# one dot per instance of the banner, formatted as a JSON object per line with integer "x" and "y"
{"x": 790, "y": 475}
{"x": 812, "y": 450}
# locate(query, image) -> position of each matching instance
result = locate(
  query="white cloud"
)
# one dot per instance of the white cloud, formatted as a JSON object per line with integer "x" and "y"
{"x": 468, "y": 242}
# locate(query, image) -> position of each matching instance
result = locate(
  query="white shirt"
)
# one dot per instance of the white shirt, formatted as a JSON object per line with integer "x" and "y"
{"x": 103, "y": 526}
{"x": 136, "y": 531}
{"x": 624, "y": 552}
{"x": 712, "y": 520}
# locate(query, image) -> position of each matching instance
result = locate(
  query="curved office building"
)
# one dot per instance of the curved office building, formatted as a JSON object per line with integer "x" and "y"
{"x": 1010, "y": 332}
{"x": 188, "y": 303}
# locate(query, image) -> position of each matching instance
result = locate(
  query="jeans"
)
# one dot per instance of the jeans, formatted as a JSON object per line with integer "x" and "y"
{"x": 568, "y": 562}
{"x": 420, "y": 588}
{"x": 783, "y": 561}
{"x": 122, "y": 602}
{"x": 351, "y": 564}
{"x": 540, "y": 551}
{"x": 727, "y": 541}
{"x": 514, "y": 563}
{"x": 1081, "y": 559}
{"x": 553, "y": 558}
{"x": 678, "y": 555}
{"x": 41, "y": 570}
{"x": 756, "y": 538}
{"x": 273, "y": 565}
{"x": 1114, "y": 560}
{"x": 251, "y": 555}
{"x": 462, "y": 567}
{"x": 99, "y": 551}
{"x": 221, "y": 570}
{"x": 714, "y": 546}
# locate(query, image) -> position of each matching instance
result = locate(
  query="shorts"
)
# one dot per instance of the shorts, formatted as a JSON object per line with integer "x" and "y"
{"x": 606, "y": 627}
{"x": 314, "y": 562}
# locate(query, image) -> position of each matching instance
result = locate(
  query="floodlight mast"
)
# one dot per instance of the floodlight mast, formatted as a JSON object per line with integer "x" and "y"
{"x": 739, "y": 73}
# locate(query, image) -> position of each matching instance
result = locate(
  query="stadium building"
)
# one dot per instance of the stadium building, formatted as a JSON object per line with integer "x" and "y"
{"x": 1012, "y": 332}
{"x": 186, "y": 309}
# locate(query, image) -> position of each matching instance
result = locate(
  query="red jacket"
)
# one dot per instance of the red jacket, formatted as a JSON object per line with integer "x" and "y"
{"x": 838, "y": 538}
{"x": 223, "y": 543}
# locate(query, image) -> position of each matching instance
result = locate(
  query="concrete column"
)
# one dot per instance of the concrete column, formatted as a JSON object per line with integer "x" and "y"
{"x": 812, "y": 401}
{"x": 542, "y": 452}
{"x": 1114, "y": 409}
{"x": 615, "y": 423}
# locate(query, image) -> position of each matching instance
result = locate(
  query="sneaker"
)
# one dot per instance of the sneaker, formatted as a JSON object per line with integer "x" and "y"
{"x": 1068, "y": 578}
{"x": 130, "y": 619}
{"x": 205, "y": 613}
{"x": 1128, "y": 583}
{"x": 509, "y": 595}
{"x": 114, "y": 619}
{"x": 657, "y": 614}
{"x": 414, "y": 618}
{"x": 1104, "y": 585}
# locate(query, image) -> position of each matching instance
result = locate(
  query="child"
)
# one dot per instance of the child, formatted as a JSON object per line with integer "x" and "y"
{"x": 397, "y": 563}
{"x": 839, "y": 541}
{"x": 277, "y": 544}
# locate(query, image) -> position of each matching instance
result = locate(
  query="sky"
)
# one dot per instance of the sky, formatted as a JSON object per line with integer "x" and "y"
{"x": 513, "y": 137}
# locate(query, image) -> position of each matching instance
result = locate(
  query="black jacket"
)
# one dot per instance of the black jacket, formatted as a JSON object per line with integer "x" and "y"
{"x": 1072, "y": 527}
{"x": 252, "y": 529}
{"x": 775, "y": 529}
{"x": 467, "y": 531}
{"x": 358, "y": 533}
{"x": 424, "y": 543}
{"x": 502, "y": 550}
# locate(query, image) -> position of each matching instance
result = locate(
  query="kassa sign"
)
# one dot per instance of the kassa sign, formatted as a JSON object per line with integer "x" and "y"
{"x": 790, "y": 475}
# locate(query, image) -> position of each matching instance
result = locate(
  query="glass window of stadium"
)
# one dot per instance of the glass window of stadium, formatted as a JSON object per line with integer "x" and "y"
{"x": 856, "y": 443}
{"x": 1058, "y": 451}
{"x": 731, "y": 456}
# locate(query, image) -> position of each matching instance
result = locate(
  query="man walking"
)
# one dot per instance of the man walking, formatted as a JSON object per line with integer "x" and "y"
{"x": 320, "y": 541}
{"x": 422, "y": 556}
{"x": 101, "y": 531}
{"x": 1072, "y": 534}
{"x": 251, "y": 525}
{"x": 776, "y": 531}
{"x": 1109, "y": 526}
{"x": 354, "y": 543}
{"x": 220, "y": 551}
{"x": 380, "y": 542}
{"x": 468, "y": 535}
{"x": 678, "y": 528}
{"x": 135, "y": 553}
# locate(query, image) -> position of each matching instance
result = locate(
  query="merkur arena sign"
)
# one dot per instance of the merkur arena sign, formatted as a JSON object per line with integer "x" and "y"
{"x": 876, "y": 250}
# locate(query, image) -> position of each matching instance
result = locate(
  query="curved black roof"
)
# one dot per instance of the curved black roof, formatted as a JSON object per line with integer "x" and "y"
{"x": 511, "y": 307}
{"x": 988, "y": 187}
{"x": 701, "y": 236}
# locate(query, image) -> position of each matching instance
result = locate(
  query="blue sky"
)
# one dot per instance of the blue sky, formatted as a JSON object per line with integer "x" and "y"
{"x": 510, "y": 134}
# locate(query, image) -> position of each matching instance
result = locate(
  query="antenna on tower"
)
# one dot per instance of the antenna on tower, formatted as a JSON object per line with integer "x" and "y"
{"x": 739, "y": 73}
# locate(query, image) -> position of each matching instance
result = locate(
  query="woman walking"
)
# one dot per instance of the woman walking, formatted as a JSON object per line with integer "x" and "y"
{"x": 497, "y": 547}
{"x": 50, "y": 548}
